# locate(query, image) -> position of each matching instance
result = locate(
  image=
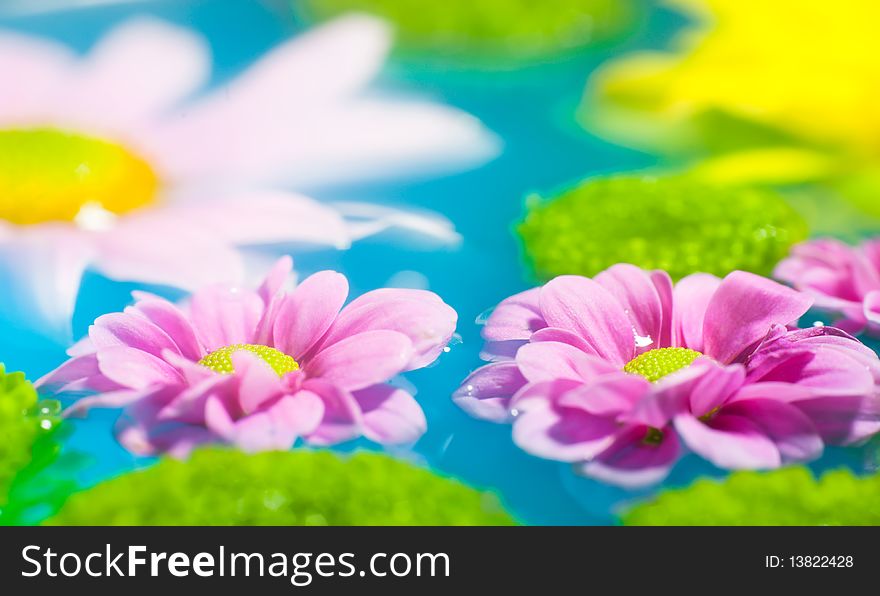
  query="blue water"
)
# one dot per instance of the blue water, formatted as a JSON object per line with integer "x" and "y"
{"x": 532, "y": 111}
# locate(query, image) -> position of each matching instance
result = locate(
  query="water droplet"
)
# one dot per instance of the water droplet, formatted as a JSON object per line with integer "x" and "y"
{"x": 484, "y": 316}
{"x": 642, "y": 341}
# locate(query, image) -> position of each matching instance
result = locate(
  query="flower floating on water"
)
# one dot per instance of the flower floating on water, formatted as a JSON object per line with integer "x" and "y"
{"x": 675, "y": 223}
{"x": 260, "y": 369}
{"x": 611, "y": 373}
{"x": 289, "y": 488}
{"x": 106, "y": 163}
{"x": 842, "y": 279}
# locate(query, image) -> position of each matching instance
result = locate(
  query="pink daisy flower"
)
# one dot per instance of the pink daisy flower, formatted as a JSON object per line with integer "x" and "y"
{"x": 259, "y": 369}
{"x": 109, "y": 161}
{"x": 614, "y": 373}
{"x": 842, "y": 279}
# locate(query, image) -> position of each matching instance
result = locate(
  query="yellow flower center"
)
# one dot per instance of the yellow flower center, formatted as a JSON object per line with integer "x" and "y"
{"x": 53, "y": 175}
{"x": 656, "y": 364}
{"x": 221, "y": 360}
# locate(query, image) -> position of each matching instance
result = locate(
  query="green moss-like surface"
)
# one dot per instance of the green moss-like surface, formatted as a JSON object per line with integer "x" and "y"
{"x": 226, "y": 487}
{"x": 786, "y": 497}
{"x": 17, "y": 429}
{"x": 28, "y": 430}
{"x": 674, "y": 223}
{"x": 523, "y": 29}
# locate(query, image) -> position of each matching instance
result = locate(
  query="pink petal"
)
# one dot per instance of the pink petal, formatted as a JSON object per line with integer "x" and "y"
{"x": 664, "y": 288}
{"x": 827, "y": 369}
{"x": 307, "y": 313}
{"x": 127, "y": 329}
{"x": 258, "y": 383}
{"x": 272, "y": 293}
{"x": 362, "y": 360}
{"x": 172, "y": 321}
{"x": 218, "y": 419}
{"x": 824, "y": 268}
{"x": 225, "y": 315}
{"x": 743, "y": 310}
{"x": 391, "y": 415}
{"x": 789, "y": 428}
{"x": 546, "y": 361}
{"x": 500, "y": 351}
{"x": 609, "y": 396}
{"x": 138, "y": 70}
{"x": 74, "y": 369}
{"x": 265, "y": 122}
{"x": 782, "y": 345}
{"x": 189, "y": 405}
{"x": 139, "y": 431}
{"x": 564, "y": 336}
{"x": 342, "y": 419}
{"x": 671, "y": 395}
{"x": 691, "y": 297}
{"x": 486, "y": 392}
{"x": 541, "y": 394}
{"x": 108, "y": 399}
{"x": 568, "y": 435}
{"x": 631, "y": 463}
{"x": 714, "y": 388}
{"x": 584, "y": 307}
{"x": 730, "y": 442}
{"x": 278, "y": 427}
{"x": 265, "y": 217}
{"x": 275, "y": 279}
{"x": 40, "y": 69}
{"x": 634, "y": 289}
{"x": 133, "y": 368}
{"x": 872, "y": 307}
{"x": 516, "y": 317}
{"x": 146, "y": 439}
{"x": 190, "y": 370}
{"x": 155, "y": 246}
{"x": 841, "y": 419}
{"x": 418, "y": 314}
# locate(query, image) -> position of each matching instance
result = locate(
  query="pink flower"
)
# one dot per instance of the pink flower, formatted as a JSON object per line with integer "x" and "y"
{"x": 843, "y": 279}
{"x": 259, "y": 369}
{"x": 111, "y": 161}
{"x": 614, "y": 373}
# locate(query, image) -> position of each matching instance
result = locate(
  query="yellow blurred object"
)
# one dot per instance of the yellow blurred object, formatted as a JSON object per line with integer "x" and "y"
{"x": 809, "y": 68}
{"x": 52, "y": 175}
{"x": 770, "y": 165}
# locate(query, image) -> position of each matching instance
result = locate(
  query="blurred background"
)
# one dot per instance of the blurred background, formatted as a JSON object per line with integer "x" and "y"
{"x": 571, "y": 89}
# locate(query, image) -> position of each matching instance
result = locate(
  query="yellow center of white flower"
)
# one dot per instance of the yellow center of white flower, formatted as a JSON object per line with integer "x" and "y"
{"x": 656, "y": 364}
{"x": 221, "y": 360}
{"x": 52, "y": 175}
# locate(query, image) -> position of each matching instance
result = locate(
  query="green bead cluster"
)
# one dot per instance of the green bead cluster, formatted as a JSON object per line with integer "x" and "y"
{"x": 27, "y": 445}
{"x": 221, "y": 360}
{"x": 227, "y": 487}
{"x": 786, "y": 497}
{"x": 674, "y": 223}
{"x": 503, "y": 28}
{"x": 656, "y": 364}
